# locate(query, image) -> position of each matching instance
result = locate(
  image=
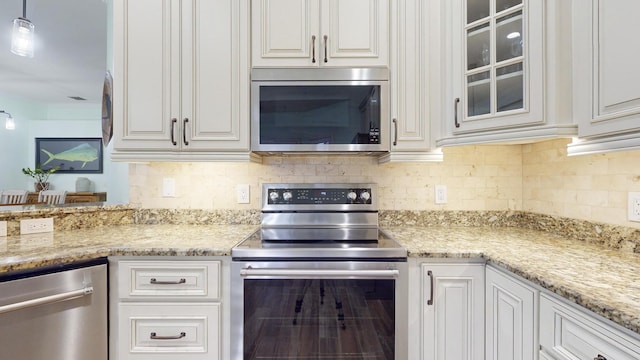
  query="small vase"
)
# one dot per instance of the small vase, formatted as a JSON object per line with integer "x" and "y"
{"x": 83, "y": 184}
{"x": 40, "y": 186}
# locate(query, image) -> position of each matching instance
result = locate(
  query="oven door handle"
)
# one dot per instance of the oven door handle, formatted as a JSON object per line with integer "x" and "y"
{"x": 319, "y": 274}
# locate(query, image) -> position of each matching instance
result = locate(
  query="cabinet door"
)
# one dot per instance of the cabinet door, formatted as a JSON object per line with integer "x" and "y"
{"x": 285, "y": 32}
{"x": 510, "y": 318}
{"x": 214, "y": 75}
{"x": 570, "y": 332}
{"x": 606, "y": 76}
{"x": 453, "y": 311}
{"x": 496, "y": 58}
{"x": 354, "y": 32}
{"x": 410, "y": 95}
{"x": 146, "y": 76}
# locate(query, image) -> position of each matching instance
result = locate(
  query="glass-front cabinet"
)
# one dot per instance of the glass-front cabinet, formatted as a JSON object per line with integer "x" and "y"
{"x": 497, "y": 63}
{"x": 495, "y": 53}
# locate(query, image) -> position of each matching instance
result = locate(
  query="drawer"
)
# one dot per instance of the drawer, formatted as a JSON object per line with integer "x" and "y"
{"x": 197, "y": 280}
{"x": 570, "y": 332}
{"x": 169, "y": 331}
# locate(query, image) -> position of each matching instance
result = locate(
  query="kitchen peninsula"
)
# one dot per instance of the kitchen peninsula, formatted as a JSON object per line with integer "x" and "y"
{"x": 594, "y": 275}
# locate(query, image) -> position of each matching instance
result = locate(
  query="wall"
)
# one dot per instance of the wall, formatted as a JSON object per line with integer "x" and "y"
{"x": 592, "y": 187}
{"x": 478, "y": 178}
{"x": 17, "y": 147}
{"x": 537, "y": 177}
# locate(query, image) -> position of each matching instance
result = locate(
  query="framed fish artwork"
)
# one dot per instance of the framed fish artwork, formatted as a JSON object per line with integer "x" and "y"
{"x": 71, "y": 155}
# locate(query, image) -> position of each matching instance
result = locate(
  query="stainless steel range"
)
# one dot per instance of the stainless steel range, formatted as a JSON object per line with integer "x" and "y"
{"x": 319, "y": 280}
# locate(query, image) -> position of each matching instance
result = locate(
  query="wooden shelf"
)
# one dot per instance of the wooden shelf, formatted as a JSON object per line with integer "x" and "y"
{"x": 74, "y": 197}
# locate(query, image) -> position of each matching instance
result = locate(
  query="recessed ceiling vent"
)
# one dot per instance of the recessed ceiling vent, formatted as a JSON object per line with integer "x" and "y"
{"x": 77, "y": 98}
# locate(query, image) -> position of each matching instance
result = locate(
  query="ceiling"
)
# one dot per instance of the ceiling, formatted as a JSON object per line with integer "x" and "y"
{"x": 70, "y": 51}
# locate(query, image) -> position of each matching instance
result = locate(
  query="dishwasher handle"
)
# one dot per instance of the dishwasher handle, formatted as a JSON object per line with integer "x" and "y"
{"x": 46, "y": 300}
{"x": 319, "y": 274}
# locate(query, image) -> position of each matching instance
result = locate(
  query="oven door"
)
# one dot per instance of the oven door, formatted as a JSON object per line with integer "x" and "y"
{"x": 319, "y": 310}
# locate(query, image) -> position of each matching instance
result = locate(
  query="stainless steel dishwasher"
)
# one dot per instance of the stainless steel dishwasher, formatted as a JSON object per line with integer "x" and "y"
{"x": 55, "y": 313}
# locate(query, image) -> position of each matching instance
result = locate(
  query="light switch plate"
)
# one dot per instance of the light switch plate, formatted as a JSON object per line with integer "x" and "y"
{"x": 634, "y": 206}
{"x": 243, "y": 193}
{"x": 441, "y": 194}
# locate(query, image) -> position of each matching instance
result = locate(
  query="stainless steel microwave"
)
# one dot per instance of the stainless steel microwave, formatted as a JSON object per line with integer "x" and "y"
{"x": 320, "y": 110}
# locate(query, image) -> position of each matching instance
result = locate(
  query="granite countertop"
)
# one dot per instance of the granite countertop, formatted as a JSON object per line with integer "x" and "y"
{"x": 604, "y": 280}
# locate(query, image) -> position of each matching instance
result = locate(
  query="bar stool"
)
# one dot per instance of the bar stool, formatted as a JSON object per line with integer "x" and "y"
{"x": 52, "y": 197}
{"x": 13, "y": 196}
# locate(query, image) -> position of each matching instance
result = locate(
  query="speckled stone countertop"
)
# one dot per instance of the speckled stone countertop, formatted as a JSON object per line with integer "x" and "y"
{"x": 602, "y": 279}
{"x": 21, "y": 252}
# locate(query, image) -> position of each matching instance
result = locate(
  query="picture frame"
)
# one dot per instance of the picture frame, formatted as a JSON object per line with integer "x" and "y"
{"x": 72, "y": 155}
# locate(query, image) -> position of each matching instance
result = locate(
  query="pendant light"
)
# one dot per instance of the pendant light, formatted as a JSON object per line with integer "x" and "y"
{"x": 10, "y": 124}
{"x": 22, "y": 36}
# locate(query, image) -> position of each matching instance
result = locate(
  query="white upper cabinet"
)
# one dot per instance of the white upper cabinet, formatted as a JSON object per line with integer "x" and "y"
{"x": 303, "y": 33}
{"x": 181, "y": 80}
{"x": 605, "y": 74}
{"x": 507, "y": 71}
{"x": 411, "y": 88}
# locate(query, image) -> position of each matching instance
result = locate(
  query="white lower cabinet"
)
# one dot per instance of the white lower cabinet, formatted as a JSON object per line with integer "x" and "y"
{"x": 451, "y": 303}
{"x": 511, "y": 317}
{"x": 570, "y": 332}
{"x": 168, "y": 308}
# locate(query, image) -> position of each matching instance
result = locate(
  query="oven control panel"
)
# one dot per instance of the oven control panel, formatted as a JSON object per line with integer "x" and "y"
{"x": 319, "y": 196}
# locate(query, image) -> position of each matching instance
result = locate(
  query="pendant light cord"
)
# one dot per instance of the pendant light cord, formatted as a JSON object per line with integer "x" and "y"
{"x": 24, "y": 9}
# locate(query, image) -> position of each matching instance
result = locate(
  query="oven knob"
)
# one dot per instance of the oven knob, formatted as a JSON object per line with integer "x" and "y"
{"x": 273, "y": 196}
{"x": 365, "y": 196}
{"x": 351, "y": 196}
{"x": 287, "y": 195}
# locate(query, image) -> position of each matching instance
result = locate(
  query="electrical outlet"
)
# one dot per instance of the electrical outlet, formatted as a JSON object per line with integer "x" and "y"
{"x": 441, "y": 194}
{"x": 243, "y": 193}
{"x": 634, "y": 206}
{"x": 169, "y": 187}
{"x": 33, "y": 226}
{"x": 3, "y": 228}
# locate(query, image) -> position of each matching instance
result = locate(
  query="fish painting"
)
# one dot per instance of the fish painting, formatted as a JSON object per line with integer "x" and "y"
{"x": 83, "y": 152}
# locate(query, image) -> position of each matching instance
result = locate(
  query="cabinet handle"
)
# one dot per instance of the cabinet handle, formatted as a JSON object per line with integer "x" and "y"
{"x": 173, "y": 128}
{"x": 430, "y": 274}
{"x": 153, "y": 336}
{"x": 156, "y": 282}
{"x": 313, "y": 49}
{"x": 184, "y": 130}
{"x": 455, "y": 111}
{"x": 599, "y": 357}
{"x": 325, "y": 48}
{"x": 395, "y": 132}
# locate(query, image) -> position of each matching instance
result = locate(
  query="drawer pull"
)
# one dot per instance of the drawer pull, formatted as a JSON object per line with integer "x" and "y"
{"x": 156, "y": 282}
{"x": 599, "y": 357}
{"x": 153, "y": 336}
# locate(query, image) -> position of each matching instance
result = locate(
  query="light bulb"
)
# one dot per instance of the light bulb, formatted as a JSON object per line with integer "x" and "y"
{"x": 22, "y": 37}
{"x": 10, "y": 124}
